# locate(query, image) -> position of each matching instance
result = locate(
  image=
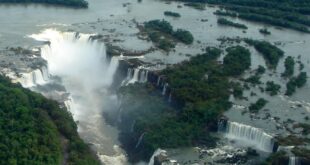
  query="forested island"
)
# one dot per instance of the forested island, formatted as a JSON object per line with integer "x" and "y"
{"x": 35, "y": 130}
{"x": 68, "y": 3}
{"x": 288, "y": 13}
{"x": 199, "y": 95}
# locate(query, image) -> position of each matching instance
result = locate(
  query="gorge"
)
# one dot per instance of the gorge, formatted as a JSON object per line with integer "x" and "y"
{"x": 142, "y": 104}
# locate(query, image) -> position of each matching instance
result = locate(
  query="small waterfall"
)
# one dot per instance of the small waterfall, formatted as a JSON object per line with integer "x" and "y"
{"x": 221, "y": 125}
{"x": 250, "y": 135}
{"x": 119, "y": 118}
{"x": 31, "y": 79}
{"x": 129, "y": 73}
{"x": 158, "y": 80}
{"x": 135, "y": 75}
{"x": 143, "y": 76}
{"x": 156, "y": 153}
{"x": 45, "y": 73}
{"x": 140, "y": 140}
{"x": 164, "y": 89}
{"x": 146, "y": 76}
{"x": 38, "y": 77}
{"x": 293, "y": 160}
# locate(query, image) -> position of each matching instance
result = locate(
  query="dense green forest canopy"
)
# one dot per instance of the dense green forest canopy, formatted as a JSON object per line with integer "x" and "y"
{"x": 199, "y": 87}
{"x": 36, "y": 131}
{"x": 69, "y": 3}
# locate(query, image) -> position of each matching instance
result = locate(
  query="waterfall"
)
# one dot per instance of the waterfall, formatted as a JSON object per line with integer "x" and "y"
{"x": 164, "y": 89}
{"x": 221, "y": 125}
{"x": 156, "y": 153}
{"x": 143, "y": 76}
{"x": 146, "y": 76}
{"x": 119, "y": 118}
{"x": 293, "y": 160}
{"x": 250, "y": 135}
{"x": 38, "y": 77}
{"x": 158, "y": 80}
{"x": 140, "y": 140}
{"x": 31, "y": 79}
{"x": 45, "y": 73}
{"x": 87, "y": 75}
{"x": 135, "y": 75}
{"x": 129, "y": 74}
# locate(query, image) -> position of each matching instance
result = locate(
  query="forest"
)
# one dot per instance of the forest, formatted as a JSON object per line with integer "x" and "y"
{"x": 199, "y": 89}
{"x": 35, "y": 130}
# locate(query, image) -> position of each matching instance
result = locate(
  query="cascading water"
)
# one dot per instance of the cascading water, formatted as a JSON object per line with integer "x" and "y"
{"x": 156, "y": 153}
{"x": 33, "y": 78}
{"x": 293, "y": 160}
{"x": 158, "y": 81}
{"x": 45, "y": 73}
{"x": 135, "y": 75}
{"x": 87, "y": 75}
{"x": 164, "y": 89}
{"x": 250, "y": 136}
{"x": 140, "y": 140}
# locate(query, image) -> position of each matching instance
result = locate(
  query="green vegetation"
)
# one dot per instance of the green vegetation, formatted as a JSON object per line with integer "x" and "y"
{"x": 271, "y": 53}
{"x": 198, "y": 6}
{"x": 69, "y": 3}
{"x": 165, "y": 44}
{"x": 254, "y": 79}
{"x": 172, "y": 14}
{"x": 200, "y": 90}
{"x": 285, "y": 13}
{"x": 162, "y": 34}
{"x": 301, "y": 79}
{"x": 35, "y": 130}
{"x": 184, "y": 36}
{"x": 260, "y": 70}
{"x": 258, "y": 105}
{"x": 225, "y": 13}
{"x": 223, "y": 21}
{"x": 237, "y": 60}
{"x": 272, "y": 88}
{"x": 296, "y": 82}
{"x": 237, "y": 90}
{"x": 265, "y": 31}
{"x": 289, "y": 66}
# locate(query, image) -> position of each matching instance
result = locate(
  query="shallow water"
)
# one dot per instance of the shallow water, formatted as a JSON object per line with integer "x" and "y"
{"x": 113, "y": 20}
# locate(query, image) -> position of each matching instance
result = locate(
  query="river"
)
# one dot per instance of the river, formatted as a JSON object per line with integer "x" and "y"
{"x": 87, "y": 78}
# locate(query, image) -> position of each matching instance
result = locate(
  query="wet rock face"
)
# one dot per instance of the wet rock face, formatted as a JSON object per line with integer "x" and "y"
{"x": 160, "y": 159}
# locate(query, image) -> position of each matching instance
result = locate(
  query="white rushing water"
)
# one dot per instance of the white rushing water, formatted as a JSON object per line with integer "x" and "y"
{"x": 293, "y": 160}
{"x": 33, "y": 78}
{"x": 249, "y": 135}
{"x": 87, "y": 74}
{"x": 136, "y": 75}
